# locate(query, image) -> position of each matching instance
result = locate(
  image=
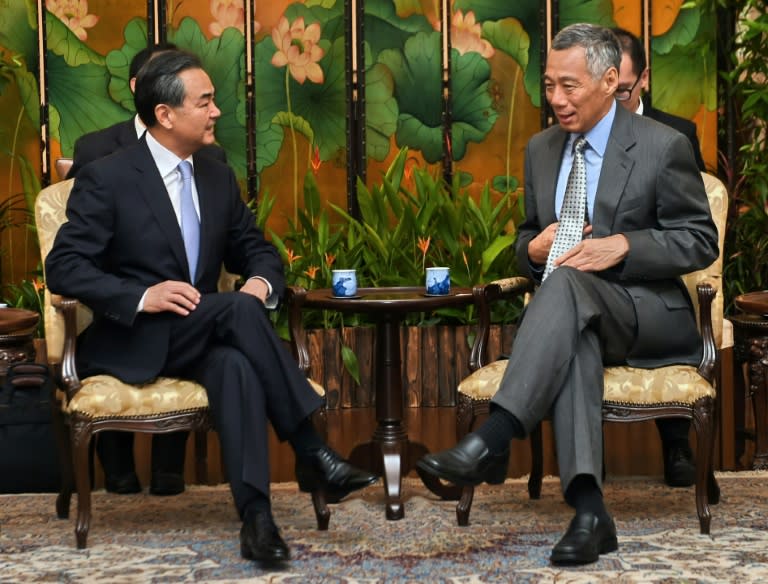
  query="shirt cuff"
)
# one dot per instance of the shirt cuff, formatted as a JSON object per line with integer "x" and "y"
{"x": 140, "y": 307}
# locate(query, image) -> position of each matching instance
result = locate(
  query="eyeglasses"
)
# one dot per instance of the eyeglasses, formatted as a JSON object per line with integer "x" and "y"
{"x": 622, "y": 93}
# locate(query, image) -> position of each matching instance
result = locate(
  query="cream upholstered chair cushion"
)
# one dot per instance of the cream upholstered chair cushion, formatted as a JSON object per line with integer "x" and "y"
{"x": 679, "y": 384}
{"x": 104, "y": 396}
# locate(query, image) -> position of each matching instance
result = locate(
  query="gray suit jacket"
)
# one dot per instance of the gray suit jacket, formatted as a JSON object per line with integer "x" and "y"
{"x": 650, "y": 190}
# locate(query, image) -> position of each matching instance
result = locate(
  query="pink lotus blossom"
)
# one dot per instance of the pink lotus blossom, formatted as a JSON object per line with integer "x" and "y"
{"x": 297, "y": 47}
{"x": 466, "y": 35}
{"x": 74, "y": 14}
{"x": 229, "y": 13}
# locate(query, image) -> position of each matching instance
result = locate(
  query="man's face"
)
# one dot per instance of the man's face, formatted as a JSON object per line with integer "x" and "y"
{"x": 578, "y": 100}
{"x": 194, "y": 120}
{"x": 629, "y": 80}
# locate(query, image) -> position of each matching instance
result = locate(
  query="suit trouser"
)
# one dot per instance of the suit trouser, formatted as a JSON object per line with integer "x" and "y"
{"x": 229, "y": 346}
{"x": 575, "y": 324}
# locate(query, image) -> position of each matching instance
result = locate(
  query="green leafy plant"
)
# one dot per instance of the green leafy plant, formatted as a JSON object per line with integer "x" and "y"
{"x": 746, "y": 246}
{"x": 409, "y": 221}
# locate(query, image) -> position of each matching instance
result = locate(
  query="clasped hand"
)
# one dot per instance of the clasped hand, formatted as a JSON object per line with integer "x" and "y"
{"x": 182, "y": 298}
{"x": 589, "y": 255}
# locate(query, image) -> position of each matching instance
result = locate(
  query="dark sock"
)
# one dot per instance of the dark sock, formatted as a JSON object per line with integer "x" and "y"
{"x": 585, "y": 496}
{"x": 306, "y": 439}
{"x": 258, "y": 503}
{"x": 500, "y": 427}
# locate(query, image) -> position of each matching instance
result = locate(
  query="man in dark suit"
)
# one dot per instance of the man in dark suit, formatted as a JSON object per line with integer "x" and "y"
{"x": 131, "y": 252}
{"x": 679, "y": 468}
{"x": 615, "y": 296}
{"x": 633, "y": 81}
{"x": 115, "y": 449}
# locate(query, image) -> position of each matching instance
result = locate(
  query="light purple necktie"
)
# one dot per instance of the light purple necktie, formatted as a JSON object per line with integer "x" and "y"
{"x": 190, "y": 224}
{"x": 570, "y": 229}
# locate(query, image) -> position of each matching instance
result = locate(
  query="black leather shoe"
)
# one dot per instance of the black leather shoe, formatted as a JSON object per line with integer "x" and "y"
{"x": 166, "y": 483}
{"x": 122, "y": 484}
{"x": 679, "y": 467}
{"x": 325, "y": 469}
{"x": 468, "y": 463}
{"x": 587, "y": 537}
{"x": 260, "y": 540}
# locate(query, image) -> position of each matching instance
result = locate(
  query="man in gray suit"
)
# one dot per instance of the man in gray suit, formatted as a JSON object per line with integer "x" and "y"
{"x": 615, "y": 297}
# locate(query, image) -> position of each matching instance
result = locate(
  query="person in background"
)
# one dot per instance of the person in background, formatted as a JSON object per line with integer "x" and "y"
{"x": 633, "y": 81}
{"x": 148, "y": 230}
{"x": 615, "y": 214}
{"x": 115, "y": 449}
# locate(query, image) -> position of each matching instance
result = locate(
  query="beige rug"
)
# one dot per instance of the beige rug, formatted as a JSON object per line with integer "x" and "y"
{"x": 193, "y": 537}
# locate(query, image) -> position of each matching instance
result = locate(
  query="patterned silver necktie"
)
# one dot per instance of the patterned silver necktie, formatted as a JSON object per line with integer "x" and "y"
{"x": 570, "y": 230}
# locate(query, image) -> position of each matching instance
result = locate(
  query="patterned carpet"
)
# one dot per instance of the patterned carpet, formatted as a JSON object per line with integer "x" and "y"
{"x": 193, "y": 537}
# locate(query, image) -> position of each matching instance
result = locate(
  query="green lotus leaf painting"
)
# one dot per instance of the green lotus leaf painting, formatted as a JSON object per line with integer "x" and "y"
{"x": 77, "y": 76}
{"x": 417, "y": 72}
{"x": 119, "y": 62}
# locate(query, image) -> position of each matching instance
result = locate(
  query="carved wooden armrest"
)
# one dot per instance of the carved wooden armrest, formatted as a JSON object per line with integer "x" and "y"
{"x": 484, "y": 294}
{"x": 67, "y": 372}
{"x": 294, "y": 299}
{"x": 706, "y": 291}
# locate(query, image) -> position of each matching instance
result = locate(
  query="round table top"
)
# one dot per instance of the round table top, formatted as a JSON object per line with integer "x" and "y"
{"x": 753, "y": 302}
{"x": 395, "y": 299}
{"x": 17, "y": 321}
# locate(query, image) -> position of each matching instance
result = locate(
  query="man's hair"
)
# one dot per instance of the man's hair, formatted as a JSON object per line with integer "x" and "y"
{"x": 601, "y": 47}
{"x": 632, "y": 46}
{"x": 158, "y": 82}
{"x": 143, "y": 56}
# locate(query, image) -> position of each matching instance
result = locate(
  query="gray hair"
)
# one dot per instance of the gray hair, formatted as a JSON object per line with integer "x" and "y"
{"x": 601, "y": 47}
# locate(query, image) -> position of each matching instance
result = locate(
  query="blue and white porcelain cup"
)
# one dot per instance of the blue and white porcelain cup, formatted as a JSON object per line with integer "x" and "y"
{"x": 438, "y": 281}
{"x": 344, "y": 283}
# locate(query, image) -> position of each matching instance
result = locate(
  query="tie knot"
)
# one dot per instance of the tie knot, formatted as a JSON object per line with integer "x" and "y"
{"x": 185, "y": 168}
{"x": 578, "y": 145}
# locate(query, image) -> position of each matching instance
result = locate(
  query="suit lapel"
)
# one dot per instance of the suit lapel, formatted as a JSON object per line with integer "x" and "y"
{"x": 617, "y": 165}
{"x": 153, "y": 191}
{"x": 206, "y": 189}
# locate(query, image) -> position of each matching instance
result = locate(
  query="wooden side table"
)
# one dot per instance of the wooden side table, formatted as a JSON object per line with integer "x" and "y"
{"x": 17, "y": 328}
{"x": 750, "y": 332}
{"x": 389, "y": 451}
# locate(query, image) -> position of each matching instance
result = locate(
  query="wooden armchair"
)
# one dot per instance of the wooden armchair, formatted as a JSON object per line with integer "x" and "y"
{"x": 632, "y": 394}
{"x": 102, "y": 402}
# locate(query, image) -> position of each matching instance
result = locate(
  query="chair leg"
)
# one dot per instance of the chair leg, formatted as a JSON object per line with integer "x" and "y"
{"x": 81, "y": 439}
{"x": 201, "y": 457}
{"x": 703, "y": 423}
{"x": 467, "y": 415}
{"x": 537, "y": 463}
{"x": 64, "y": 449}
{"x": 464, "y": 505}
{"x": 322, "y": 513}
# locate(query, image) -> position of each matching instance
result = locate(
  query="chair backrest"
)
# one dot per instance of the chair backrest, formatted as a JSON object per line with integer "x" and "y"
{"x": 50, "y": 214}
{"x": 718, "y": 204}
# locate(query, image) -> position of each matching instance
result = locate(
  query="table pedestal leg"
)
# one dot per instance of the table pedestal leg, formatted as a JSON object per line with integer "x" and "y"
{"x": 758, "y": 370}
